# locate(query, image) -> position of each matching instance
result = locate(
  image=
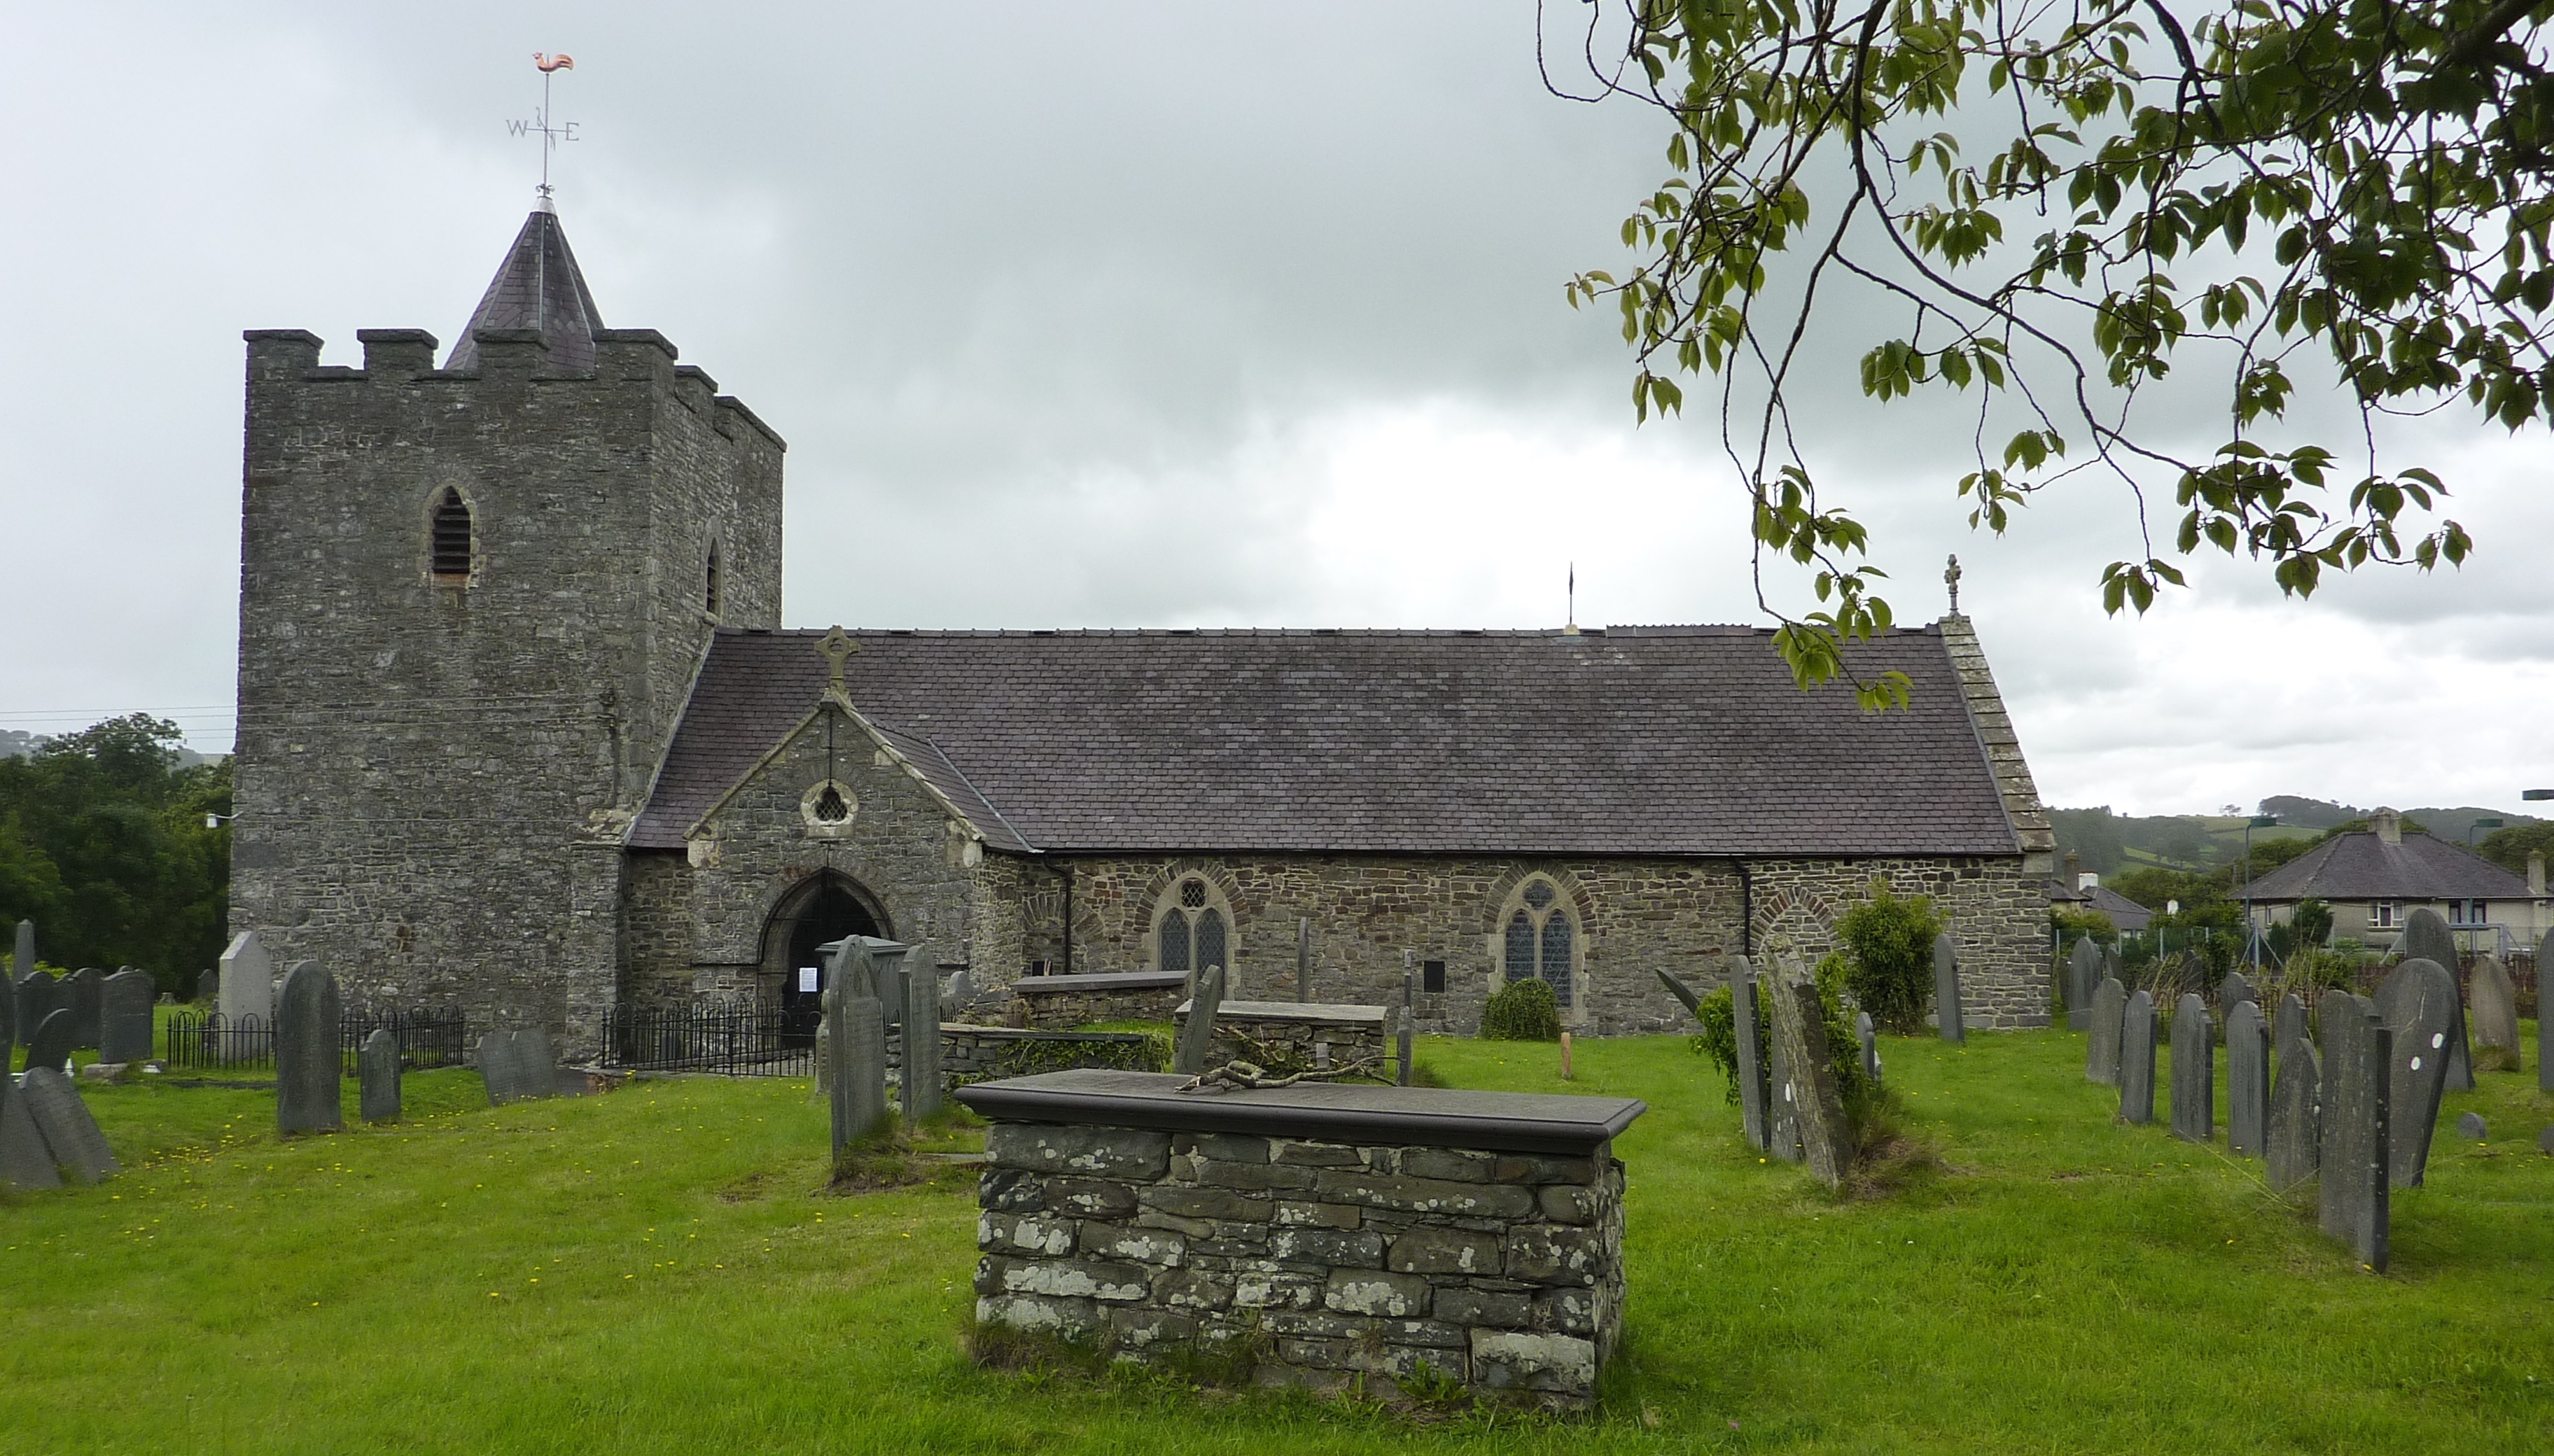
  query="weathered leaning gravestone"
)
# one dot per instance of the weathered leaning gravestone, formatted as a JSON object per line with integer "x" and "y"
{"x": 517, "y": 1065}
{"x": 1808, "y": 1088}
{"x": 25, "y": 1160}
{"x": 377, "y": 1075}
{"x": 51, "y": 1045}
{"x": 2136, "y": 1059}
{"x": 309, "y": 1017}
{"x": 2493, "y": 1011}
{"x": 2295, "y": 1139}
{"x": 79, "y": 1149}
{"x": 2083, "y": 975}
{"x": 855, "y": 1043}
{"x": 2247, "y": 1080}
{"x": 2426, "y": 938}
{"x": 2237, "y": 987}
{"x": 2352, "y": 1195}
{"x": 123, "y": 1016}
{"x": 1869, "y": 1035}
{"x": 2194, "y": 1071}
{"x": 2418, "y": 1005}
{"x": 2102, "y": 1047}
{"x": 1755, "y": 1064}
{"x": 1196, "y": 1034}
{"x": 2288, "y": 1021}
{"x": 1948, "y": 1019}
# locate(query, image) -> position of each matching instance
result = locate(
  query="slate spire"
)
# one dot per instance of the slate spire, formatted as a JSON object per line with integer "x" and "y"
{"x": 537, "y": 287}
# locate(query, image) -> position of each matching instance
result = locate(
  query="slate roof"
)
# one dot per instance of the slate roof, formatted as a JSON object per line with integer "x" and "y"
{"x": 537, "y": 287}
{"x": 1630, "y": 740}
{"x": 2362, "y": 867}
{"x": 2126, "y": 914}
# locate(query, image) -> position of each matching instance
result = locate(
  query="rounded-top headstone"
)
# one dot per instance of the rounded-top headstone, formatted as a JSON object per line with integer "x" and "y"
{"x": 307, "y": 1060}
{"x": 2418, "y": 1004}
{"x": 2471, "y": 1126}
{"x": 2545, "y": 1142}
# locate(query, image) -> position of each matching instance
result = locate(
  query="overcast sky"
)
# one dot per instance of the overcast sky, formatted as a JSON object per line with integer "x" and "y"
{"x": 1083, "y": 315}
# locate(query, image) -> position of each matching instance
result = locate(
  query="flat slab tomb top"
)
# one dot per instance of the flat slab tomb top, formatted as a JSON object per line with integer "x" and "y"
{"x": 1311, "y": 1013}
{"x": 1429, "y": 1117}
{"x": 1131, "y": 980}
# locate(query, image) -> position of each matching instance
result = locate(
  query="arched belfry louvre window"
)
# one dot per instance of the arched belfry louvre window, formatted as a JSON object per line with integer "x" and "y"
{"x": 1194, "y": 930}
{"x": 710, "y": 589}
{"x": 1539, "y": 940}
{"x": 448, "y": 537}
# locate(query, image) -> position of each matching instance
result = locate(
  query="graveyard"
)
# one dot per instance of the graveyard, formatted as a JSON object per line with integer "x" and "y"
{"x": 664, "y": 1268}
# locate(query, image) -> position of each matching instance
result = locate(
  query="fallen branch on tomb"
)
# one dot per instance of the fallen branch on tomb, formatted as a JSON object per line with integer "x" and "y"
{"x": 1238, "y": 1074}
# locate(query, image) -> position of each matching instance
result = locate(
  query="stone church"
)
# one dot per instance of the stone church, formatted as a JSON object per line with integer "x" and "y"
{"x": 520, "y": 730}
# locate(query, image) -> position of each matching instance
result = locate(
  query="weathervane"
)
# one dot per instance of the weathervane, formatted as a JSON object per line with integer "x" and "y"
{"x": 550, "y": 135}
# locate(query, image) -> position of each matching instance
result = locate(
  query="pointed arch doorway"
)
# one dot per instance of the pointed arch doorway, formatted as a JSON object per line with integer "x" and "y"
{"x": 828, "y": 907}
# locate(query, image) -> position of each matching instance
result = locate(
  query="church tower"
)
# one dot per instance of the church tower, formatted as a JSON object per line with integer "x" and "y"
{"x": 472, "y": 601}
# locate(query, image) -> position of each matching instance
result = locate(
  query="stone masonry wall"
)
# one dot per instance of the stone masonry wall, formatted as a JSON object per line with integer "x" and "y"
{"x": 1049, "y": 1007}
{"x": 1632, "y": 915}
{"x": 1308, "y": 1264}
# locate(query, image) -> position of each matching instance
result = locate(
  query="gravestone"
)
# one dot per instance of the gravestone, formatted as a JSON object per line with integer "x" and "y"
{"x": 2247, "y": 1080}
{"x": 1754, "y": 1082}
{"x": 22, "y": 963}
{"x": 1949, "y": 1019}
{"x": 124, "y": 1017}
{"x": 2492, "y": 1007}
{"x": 2418, "y": 1003}
{"x": 958, "y": 996}
{"x": 2544, "y": 1023}
{"x": 2357, "y": 1050}
{"x": 516, "y": 1068}
{"x": 2545, "y": 1142}
{"x": 34, "y": 998}
{"x": 1401, "y": 1036}
{"x": 2471, "y": 1126}
{"x": 208, "y": 985}
{"x": 855, "y": 1051}
{"x": 2296, "y": 1128}
{"x": 1781, "y": 1118}
{"x": 1864, "y": 1033}
{"x": 25, "y": 1160}
{"x": 2426, "y": 938}
{"x": 2102, "y": 1047}
{"x": 1808, "y": 1089}
{"x": 2084, "y": 974}
{"x": 79, "y": 1149}
{"x": 377, "y": 1075}
{"x": 921, "y": 1088}
{"x": 2136, "y": 1059}
{"x": 1196, "y": 1034}
{"x": 2237, "y": 987}
{"x": 248, "y": 980}
{"x": 2194, "y": 1071}
{"x": 308, "y": 1018}
{"x": 82, "y": 991}
{"x": 1678, "y": 989}
{"x": 2290, "y": 1023}
{"x": 50, "y": 1045}
{"x": 1304, "y": 959}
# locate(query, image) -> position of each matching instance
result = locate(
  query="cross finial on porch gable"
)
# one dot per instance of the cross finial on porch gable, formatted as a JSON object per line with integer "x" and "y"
{"x": 835, "y": 647}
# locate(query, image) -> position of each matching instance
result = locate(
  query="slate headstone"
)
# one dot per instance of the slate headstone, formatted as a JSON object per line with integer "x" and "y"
{"x": 2102, "y": 1047}
{"x": 1810, "y": 1088}
{"x": 1869, "y": 1037}
{"x": 2295, "y": 1148}
{"x": 958, "y": 996}
{"x": 2545, "y": 1142}
{"x": 2353, "y": 1178}
{"x": 36, "y": 998}
{"x": 25, "y": 1160}
{"x": 496, "y": 1068}
{"x": 2137, "y": 1059}
{"x": 1754, "y": 1083}
{"x": 1401, "y": 1044}
{"x": 208, "y": 985}
{"x": 377, "y": 1073}
{"x": 2471, "y": 1126}
{"x": 1677, "y": 987}
{"x": 79, "y": 1149}
{"x": 124, "y": 1017}
{"x": 2418, "y": 1003}
{"x": 1781, "y": 1117}
{"x": 1949, "y": 1019}
{"x": 540, "y": 1061}
{"x": 50, "y": 1045}
{"x": 1196, "y": 1034}
{"x": 2237, "y": 987}
{"x": 2290, "y": 1023}
{"x": 1303, "y": 959}
{"x": 86, "y": 989}
{"x": 2544, "y": 1023}
{"x": 248, "y": 980}
{"x": 2084, "y": 974}
{"x": 2492, "y": 1007}
{"x": 22, "y": 963}
{"x": 2247, "y": 1080}
{"x": 2194, "y": 1070}
{"x": 2426, "y": 938}
{"x": 921, "y": 1088}
{"x": 309, "y": 1063}
{"x": 855, "y": 1047}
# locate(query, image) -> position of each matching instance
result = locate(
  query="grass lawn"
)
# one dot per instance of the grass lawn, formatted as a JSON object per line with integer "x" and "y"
{"x": 649, "y": 1271}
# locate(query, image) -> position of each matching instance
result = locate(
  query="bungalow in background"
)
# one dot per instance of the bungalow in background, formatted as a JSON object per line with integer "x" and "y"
{"x": 2373, "y": 878}
{"x": 2080, "y": 889}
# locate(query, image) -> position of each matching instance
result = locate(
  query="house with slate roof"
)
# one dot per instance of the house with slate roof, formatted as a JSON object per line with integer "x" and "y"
{"x": 520, "y": 730}
{"x": 2374, "y": 877}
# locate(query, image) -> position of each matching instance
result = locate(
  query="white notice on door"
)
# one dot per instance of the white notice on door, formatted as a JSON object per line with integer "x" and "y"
{"x": 807, "y": 978}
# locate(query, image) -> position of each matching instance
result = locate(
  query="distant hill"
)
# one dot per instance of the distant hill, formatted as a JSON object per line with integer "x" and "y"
{"x": 2108, "y": 843}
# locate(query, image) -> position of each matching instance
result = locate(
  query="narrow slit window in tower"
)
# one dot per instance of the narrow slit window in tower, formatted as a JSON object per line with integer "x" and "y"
{"x": 448, "y": 543}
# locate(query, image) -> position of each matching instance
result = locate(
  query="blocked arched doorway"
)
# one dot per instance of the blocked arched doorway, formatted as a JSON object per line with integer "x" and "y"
{"x": 827, "y": 908}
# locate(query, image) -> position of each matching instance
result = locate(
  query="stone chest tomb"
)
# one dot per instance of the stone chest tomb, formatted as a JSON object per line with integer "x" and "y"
{"x": 1319, "y": 1236}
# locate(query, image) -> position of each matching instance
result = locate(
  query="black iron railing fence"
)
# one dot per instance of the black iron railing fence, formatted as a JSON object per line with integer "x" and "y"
{"x": 741, "y": 1037}
{"x": 212, "y": 1041}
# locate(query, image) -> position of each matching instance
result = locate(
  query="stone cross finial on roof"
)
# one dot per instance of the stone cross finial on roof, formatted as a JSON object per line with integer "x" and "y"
{"x": 1952, "y": 579}
{"x": 835, "y": 647}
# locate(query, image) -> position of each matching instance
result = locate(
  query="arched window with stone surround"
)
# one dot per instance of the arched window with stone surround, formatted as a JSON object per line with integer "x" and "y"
{"x": 448, "y": 530}
{"x": 1193, "y": 928}
{"x": 1541, "y": 940}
